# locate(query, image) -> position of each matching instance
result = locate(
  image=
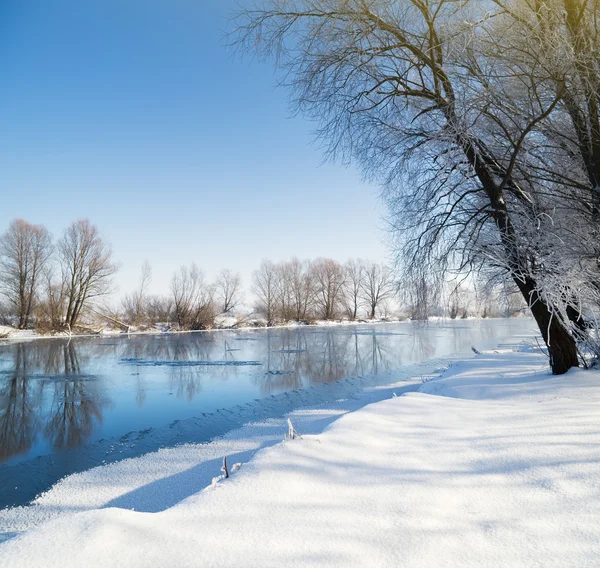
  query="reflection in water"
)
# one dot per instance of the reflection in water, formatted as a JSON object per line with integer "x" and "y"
{"x": 18, "y": 400}
{"x": 297, "y": 361}
{"x": 59, "y": 395}
{"x": 75, "y": 405}
{"x": 185, "y": 382}
{"x": 42, "y": 371}
{"x": 73, "y": 414}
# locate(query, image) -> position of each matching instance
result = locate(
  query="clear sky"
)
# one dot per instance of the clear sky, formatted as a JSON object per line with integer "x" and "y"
{"x": 134, "y": 113}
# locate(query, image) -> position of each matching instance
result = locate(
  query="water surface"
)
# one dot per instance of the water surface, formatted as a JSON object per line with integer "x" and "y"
{"x": 67, "y": 405}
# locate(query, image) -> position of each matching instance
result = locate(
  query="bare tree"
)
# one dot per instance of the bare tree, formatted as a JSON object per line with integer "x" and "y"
{"x": 377, "y": 285}
{"x": 264, "y": 286}
{"x": 355, "y": 271}
{"x": 454, "y": 303}
{"x": 558, "y": 43}
{"x": 329, "y": 280}
{"x": 52, "y": 307}
{"x": 4, "y": 314}
{"x": 461, "y": 302}
{"x": 419, "y": 94}
{"x": 87, "y": 268}
{"x": 228, "y": 289}
{"x": 420, "y": 292}
{"x": 283, "y": 292}
{"x": 193, "y": 303}
{"x": 134, "y": 304}
{"x": 24, "y": 251}
{"x": 299, "y": 282}
{"x": 159, "y": 309}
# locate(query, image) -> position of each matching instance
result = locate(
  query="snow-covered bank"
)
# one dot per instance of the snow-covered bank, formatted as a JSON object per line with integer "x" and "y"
{"x": 9, "y": 334}
{"x": 496, "y": 463}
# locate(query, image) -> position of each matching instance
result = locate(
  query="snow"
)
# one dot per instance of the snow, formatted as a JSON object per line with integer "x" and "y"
{"x": 495, "y": 463}
{"x": 222, "y": 321}
{"x": 188, "y": 468}
{"x": 7, "y": 332}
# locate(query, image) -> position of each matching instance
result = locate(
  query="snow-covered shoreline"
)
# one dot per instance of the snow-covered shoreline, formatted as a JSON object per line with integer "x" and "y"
{"x": 14, "y": 335}
{"x": 10, "y": 335}
{"x": 494, "y": 463}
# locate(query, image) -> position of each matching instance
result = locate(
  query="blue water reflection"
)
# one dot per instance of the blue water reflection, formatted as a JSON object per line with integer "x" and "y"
{"x": 69, "y": 405}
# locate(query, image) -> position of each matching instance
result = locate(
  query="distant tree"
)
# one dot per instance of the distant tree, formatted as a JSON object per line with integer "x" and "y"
{"x": 87, "y": 268}
{"x": 264, "y": 287}
{"x": 486, "y": 298}
{"x": 283, "y": 292}
{"x": 134, "y": 304}
{"x": 460, "y": 301}
{"x": 159, "y": 309}
{"x": 24, "y": 252}
{"x": 355, "y": 271}
{"x": 453, "y": 304}
{"x": 228, "y": 288}
{"x": 4, "y": 314}
{"x": 377, "y": 285}
{"x": 301, "y": 287}
{"x": 420, "y": 291}
{"x": 329, "y": 280}
{"x": 51, "y": 310}
{"x": 193, "y": 303}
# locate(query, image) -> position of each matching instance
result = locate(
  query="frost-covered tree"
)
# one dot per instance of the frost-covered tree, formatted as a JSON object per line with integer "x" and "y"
{"x": 454, "y": 109}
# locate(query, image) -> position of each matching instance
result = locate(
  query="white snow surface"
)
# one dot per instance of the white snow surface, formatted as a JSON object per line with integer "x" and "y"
{"x": 495, "y": 463}
{"x": 7, "y": 332}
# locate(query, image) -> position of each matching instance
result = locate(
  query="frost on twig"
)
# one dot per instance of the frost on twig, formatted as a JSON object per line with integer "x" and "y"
{"x": 292, "y": 434}
{"x": 224, "y": 469}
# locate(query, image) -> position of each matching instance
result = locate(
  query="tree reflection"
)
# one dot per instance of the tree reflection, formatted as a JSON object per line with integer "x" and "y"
{"x": 48, "y": 398}
{"x": 18, "y": 420}
{"x": 75, "y": 407}
{"x": 295, "y": 360}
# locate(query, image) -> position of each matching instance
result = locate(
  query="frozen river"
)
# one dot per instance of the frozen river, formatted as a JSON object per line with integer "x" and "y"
{"x": 66, "y": 406}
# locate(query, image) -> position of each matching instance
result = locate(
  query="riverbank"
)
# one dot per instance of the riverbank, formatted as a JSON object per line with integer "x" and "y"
{"x": 129, "y": 396}
{"x": 494, "y": 463}
{"x": 10, "y": 334}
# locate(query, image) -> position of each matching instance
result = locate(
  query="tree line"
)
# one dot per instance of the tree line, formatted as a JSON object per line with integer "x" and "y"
{"x": 481, "y": 122}
{"x": 321, "y": 289}
{"x": 57, "y": 286}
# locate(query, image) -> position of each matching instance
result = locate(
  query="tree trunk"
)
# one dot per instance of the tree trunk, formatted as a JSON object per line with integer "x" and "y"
{"x": 562, "y": 347}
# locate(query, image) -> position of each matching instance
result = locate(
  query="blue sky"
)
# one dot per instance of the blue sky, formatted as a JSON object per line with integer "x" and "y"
{"x": 134, "y": 113}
